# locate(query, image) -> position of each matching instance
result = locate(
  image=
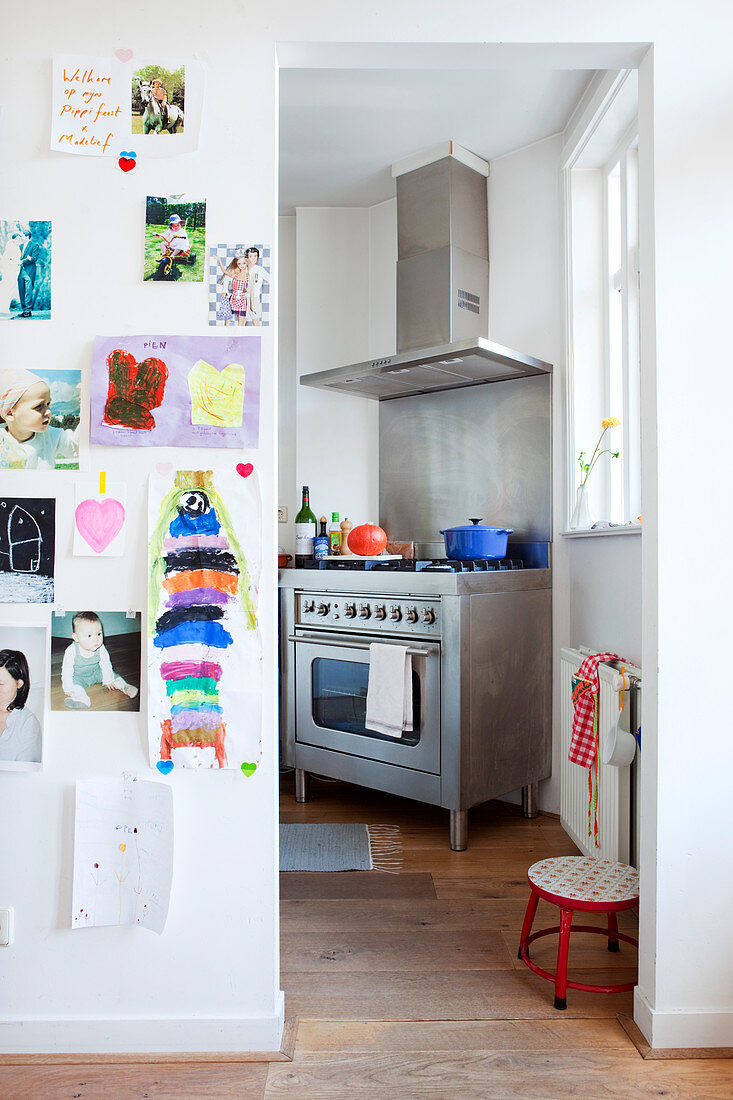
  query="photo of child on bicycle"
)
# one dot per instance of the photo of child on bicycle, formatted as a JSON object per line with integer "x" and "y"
{"x": 175, "y": 240}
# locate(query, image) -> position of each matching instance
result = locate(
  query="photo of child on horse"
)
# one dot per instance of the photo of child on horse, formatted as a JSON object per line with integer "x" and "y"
{"x": 158, "y": 95}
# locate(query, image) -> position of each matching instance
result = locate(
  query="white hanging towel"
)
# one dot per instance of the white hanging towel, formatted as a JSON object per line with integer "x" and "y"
{"x": 389, "y": 694}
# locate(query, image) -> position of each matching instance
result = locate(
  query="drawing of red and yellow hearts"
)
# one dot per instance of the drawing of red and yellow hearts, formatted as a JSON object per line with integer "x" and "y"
{"x": 176, "y": 391}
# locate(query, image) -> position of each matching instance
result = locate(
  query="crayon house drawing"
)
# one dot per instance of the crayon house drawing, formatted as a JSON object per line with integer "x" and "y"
{"x": 27, "y": 550}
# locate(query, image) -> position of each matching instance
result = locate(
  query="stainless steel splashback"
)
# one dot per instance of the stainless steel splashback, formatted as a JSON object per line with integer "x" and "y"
{"x": 482, "y": 451}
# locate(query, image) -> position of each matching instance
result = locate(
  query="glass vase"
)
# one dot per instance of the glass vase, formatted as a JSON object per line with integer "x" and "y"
{"x": 581, "y": 519}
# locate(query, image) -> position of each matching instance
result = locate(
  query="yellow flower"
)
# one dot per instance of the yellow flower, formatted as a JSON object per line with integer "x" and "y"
{"x": 610, "y": 422}
{"x": 121, "y": 847}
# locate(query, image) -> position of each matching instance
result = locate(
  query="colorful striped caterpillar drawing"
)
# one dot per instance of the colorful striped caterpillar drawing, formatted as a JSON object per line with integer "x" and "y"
{"x": 199, "y": 606}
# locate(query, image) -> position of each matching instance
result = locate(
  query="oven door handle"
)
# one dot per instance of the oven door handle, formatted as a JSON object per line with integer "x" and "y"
{"x": 346, "y": 643}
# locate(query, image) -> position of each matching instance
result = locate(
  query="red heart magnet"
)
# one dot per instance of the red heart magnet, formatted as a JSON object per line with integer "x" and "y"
{"x": 126, "y": 163}
{"x": 244, "y": 469}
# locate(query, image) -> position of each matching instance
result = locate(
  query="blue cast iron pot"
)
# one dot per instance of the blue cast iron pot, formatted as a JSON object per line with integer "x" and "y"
{"x": 476, "y": 540}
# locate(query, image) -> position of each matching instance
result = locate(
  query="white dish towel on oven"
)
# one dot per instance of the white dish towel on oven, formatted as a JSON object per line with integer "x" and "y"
{"x": 389, "y": 694}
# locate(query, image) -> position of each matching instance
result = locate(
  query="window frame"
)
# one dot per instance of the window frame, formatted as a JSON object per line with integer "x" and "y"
{"x": 618, "y": 489}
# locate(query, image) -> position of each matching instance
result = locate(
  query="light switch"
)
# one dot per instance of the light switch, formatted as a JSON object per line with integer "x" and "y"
{"x": 6, "y": 927}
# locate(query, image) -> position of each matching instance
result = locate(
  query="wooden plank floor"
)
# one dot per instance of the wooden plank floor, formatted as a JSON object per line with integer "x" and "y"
{"x": 407, "y": 986}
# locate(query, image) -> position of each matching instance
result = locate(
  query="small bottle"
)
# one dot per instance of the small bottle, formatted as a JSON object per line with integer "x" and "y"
{"x": 320, "y": 543}
{"x": 334, "y": 535}
{"x": 305, "y": 531}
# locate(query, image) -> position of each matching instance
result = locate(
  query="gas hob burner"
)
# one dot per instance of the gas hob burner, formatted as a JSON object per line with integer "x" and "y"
{"x": 407, "y": 565}
{"x": 477, "y": 565}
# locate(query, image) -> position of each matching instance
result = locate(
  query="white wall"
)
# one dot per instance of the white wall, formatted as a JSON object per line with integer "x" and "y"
{"x": 685, "y": 993}
{"x": 288, "y": 493}
{"x": 210, "y": 982}
{"x": 604, "y": 594}
{"x": 525, "y": 312}
{"x": 336, "y": 435}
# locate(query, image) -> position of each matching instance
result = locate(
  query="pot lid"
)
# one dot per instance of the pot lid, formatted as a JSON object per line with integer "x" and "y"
{"x": 477, "y": 525}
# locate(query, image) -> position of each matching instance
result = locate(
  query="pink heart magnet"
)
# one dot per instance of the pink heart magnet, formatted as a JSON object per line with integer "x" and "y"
{"x": 164, "y": 468}
{"x": 99, "y": 522}
{"x": 244, "y": 469}
{"x": 123, "y": 55}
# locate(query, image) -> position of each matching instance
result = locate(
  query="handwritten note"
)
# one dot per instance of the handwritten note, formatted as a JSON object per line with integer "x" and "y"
{"x": 89, "y": 115}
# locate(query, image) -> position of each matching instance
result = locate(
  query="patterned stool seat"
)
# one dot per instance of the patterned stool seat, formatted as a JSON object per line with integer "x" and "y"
{"x": 585, "y": 882}
{"x": 578, "y": 882}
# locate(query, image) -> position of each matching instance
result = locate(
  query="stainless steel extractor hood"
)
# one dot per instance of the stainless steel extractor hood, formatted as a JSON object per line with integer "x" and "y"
{"x": 442, "y": 289}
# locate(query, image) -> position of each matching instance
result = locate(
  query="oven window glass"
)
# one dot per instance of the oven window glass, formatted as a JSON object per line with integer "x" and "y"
{"x": 338, "y": 695}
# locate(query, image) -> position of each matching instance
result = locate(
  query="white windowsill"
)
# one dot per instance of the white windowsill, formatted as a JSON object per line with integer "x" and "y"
{"x": 627, "y": 529}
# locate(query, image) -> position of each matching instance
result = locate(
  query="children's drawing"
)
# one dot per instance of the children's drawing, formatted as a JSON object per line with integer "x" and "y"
{"x": 123, "y": 853}
{"x": 99, "y": 521}
{"x": 217, "y": 397}
{"x": 23, "y": 660}
{"x": 40, "y": 413}
{"x": 25, "y": 270}
{"x": 204, "y": 657}
{"x": 239, "y": 285}
{"x": 27, "y": 549}
{"x": 95, "y": 661}
{"x": 175, "y": 240}
{"x": 134, "y": 390}
{"x": 176, "y": 391}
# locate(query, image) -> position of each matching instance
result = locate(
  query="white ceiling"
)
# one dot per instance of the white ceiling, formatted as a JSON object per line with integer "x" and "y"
{"x": 341, "y": 129}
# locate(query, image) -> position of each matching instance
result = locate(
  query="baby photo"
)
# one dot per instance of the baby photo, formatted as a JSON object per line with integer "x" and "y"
{"x": 23, "y": 660}
{"x": 95, "y": 661}
{"x": 39, "y": 419}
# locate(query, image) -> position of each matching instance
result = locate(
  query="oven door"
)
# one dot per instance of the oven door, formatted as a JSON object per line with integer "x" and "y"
{"x": 331, "y": 679}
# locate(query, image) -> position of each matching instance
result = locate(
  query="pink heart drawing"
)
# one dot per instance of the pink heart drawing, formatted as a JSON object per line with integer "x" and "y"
{"x": 99, "y": 522}
{"x": 244, "y": 469}
{"x": 164, "y": 468}
{"x": 123, "y": 55}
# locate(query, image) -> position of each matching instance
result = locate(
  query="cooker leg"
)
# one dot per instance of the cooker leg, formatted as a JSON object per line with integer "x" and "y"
{"x": 529, "y": 800}
{"x": 459, "y": 830}
{"x": 302, "y": 786}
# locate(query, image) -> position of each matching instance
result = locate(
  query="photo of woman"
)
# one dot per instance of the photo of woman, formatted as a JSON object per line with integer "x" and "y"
{"x": 23, "y": 661}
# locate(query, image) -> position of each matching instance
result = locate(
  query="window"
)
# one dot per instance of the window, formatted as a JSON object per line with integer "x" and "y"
{"x": 602, "y": 221}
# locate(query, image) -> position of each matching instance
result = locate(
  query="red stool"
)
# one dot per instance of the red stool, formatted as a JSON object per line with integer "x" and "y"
{"x": 578, "y": 882}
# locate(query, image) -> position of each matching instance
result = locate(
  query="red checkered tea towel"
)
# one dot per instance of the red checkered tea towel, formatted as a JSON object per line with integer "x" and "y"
{"x": 583, "y": 745}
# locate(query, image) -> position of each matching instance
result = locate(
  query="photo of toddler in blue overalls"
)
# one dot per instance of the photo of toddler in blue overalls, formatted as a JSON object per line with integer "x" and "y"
{"x": 87, "y": 662}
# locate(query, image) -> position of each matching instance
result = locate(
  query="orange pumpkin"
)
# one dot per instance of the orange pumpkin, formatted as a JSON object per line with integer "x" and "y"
{"x": 367, "y": 539}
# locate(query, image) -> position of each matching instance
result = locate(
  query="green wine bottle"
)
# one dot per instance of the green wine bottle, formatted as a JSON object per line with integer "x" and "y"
{"x": 305, "y": 530}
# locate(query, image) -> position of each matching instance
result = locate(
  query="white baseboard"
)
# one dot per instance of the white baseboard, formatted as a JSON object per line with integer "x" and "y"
{"x": 685, "y": 1029}
{"x": 189, "y": 1035}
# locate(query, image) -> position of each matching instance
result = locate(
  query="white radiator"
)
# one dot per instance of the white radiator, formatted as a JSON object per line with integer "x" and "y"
{"x": 617, "y": 817}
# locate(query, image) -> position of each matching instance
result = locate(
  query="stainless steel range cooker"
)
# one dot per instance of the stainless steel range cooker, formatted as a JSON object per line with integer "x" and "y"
{"x": 479, "y": 637}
